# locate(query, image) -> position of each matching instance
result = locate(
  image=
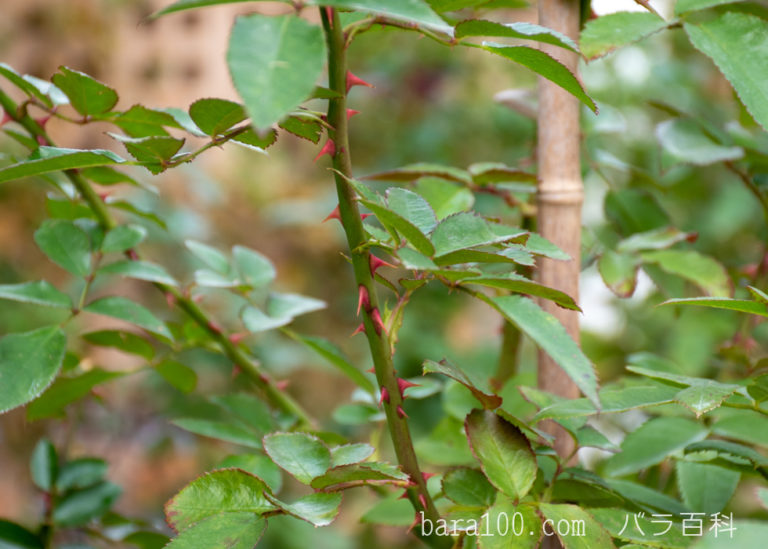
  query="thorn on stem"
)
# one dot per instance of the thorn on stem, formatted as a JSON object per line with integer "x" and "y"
{"x": 353, "y": 81}
{"x": 378, "y": 323}
{"x": 333, "y": 215}
{"x": 384, "y": 396}
{"x": 376, "y": 263}
{"x": 282, "y": 385}
{"x": 359, "y": 330}
{"x": 237, "y": 337}
{"x": 170, "y": 299}
{"x": 329, "y": 148}
{"x": 403, "y": 384}
{"x": 423, "y": 500}
{"x": 363, "y": 299}
{"x": 214, "y": 327}
{"x": 400, "y": 412}
{"x": 351, "y": 113}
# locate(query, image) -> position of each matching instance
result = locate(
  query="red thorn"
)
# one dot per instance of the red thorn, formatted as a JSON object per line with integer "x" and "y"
{"x": 103, "y": 196}
{"x": 333, "y": 215}
{"x": 376, "y": 263}
{"x": 282, "y": 385}
{"x": 427, "y": 476}
{"x": 237, "y": 337}
{"x": 235, "y": 371}
{"x": 401, "y": 412}
{"x": 377, "y": 322}
{"x": 329, "y": 14}
{"x": 423, "y": 500}
{"x": 363, "y": 299}
{"x": 359, "y": 330}
{"x": 404, "y": 495}
{"x": 371, "y": 370}
{"x": 133, "y": 255}
{"x": 692, "y": 237}
{"x": 41, "y": 140}
{"x": 6, "y": 118}
{"x": 384, "y": 396}
{"x": 415, "y": 523}
{"x": 170, "y": 299}
{"x": 42, "y": 121}
{"x": 353, "y": 81}
{"x": 351, "y": 113}
{"x": 329, "y": 148}
{"x": 214, "y": 327}
{"x": 363, "y": 216}
{"x": 403, "y": 384}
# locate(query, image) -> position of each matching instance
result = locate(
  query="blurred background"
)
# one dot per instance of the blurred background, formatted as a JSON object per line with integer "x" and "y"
{"x": 430, "y": 104}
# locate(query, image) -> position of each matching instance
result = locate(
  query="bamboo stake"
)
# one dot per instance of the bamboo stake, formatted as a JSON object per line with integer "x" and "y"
{"x": 560, "y": 197}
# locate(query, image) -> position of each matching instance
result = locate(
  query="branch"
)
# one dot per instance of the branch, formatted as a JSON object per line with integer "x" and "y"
{"x": 378, "y": 339}
{"x": 278, "y": 398}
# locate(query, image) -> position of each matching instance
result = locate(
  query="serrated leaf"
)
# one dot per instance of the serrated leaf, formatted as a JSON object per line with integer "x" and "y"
{"x": 707, "y": 273}
{"x": 415, "y": 12}
{"x": 302, "y": 455}
{"x": 66, "y": 390}
{"x": 467, "y": 486}
{"x": 215, "y": 116}
{"x": 504, "y": 520}
{"x": 646, "y": 532}
{"x": 389, "y": 512}
{"x": 38, "y": 293}
{"x": 129, "y": 311}
{"x": 140, "y": 270}
{"x": 29, "y": 362}
{"x": 359, "y": 473}
{"x": 652, "y": 442}
{"x": 177, "y": 374}
{"x": 611, "y": 401}
{"x": 221, "y": 491}
{"x": 310, "y": 130}
{"x": 412, "y": 207}
{"x": 550, "y": 335}
{"x": 619, "y": 272}
{"x": 318, "y": 509}
{"x": 154, "y": 152}
{"x": 685, "y": 141}
{"x": 408, "y": 230}
{"x": 24, "y": 85}
{"x": 740, "y": 305}
{"x": 608, "y": 32}
{"x": 231, "y": 530}
{"x": 182, "y": 5}
{"x": 589, "y": 534}
{"x": 521, "y": 285}
{"x": 544, "y": 65}
{"x": 467, "y": 230}
{"x": 725, "y": 39}
{"x": 275, "y": 63}
{"x": 687, "y": 6}
{"x": 522, "y": 30}
{"x": 44, "y": 465}
{"x": 348, "y": 454}
{"x": 140, "y": 121}
{"x": 258, "y": 465}
{"x": 704, "y": 487}
{"x": 412, "y": 172}
{"x": 248, "y": 408}
{"x": 656, "y": 239}
{"x": 445, "y": 197}
{"x": 229, "y": 431}
{"x": 478, "y": 387}
{"x": 731, "y": 451}
{"x": 123, "y": 237}
{"x": 87, "y": 95}
{"x": 504, "y": 453}
{"x": 65, "y": 244}
{"x": 125, "y": 341}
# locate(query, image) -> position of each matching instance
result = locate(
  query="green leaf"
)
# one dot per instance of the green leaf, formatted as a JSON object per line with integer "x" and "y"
{"x": 65, "y": 244}
{"x": 655, "y": 239}
{"x": 209, "y": 255}
{"x": 255, "y": 320}
{"x": 467, "y": 230}
{"x": 747, "y": 426}
{"x": 608, "y": 32}
{"x": 258, "y": 465}
{"x": 348, "y": 454}
{"x": 510, "y": 526}
{"x": 732, "y": 452}
{"x": 66, "y": 390}
{"x": 13, "y": 536}
{"x": 123, "y": 237}
{"x": 685, "y": 141}
{"x": 39, "y": 293}
{"x": 525, "y": 31}
{"x": 544, "y": 65}
{"x": 360, "y": 473}
{"x": 333, "y": 354}
{"x": 686, "y": 6}
{"x": 485, "y": 173}
{"x": 129, "y": 311}
{"x": 611, "y": 401}
{"x": 252, "y": 140}
{"x": 292, "y": 305}
{"x": 125, "y": 341}
{"x": 248, "y": 408}
{"x": 139, "y": 121}
{"x": 146, "y": 540}
{"x": 762, "y": 494}
{"x": 256, "y": 269}
{"x": 704, "y": 487}
{"x": 24, "y": 85}
{"x": 79, "y": 507}
{"x": 229, "y": 431}
{"x": 310, "y": 130}
{"x": 215, "y": 116}
{"x": 653, "y": 442}
{"x": 390, "y": 512}
{"x": 412, "y": 172}
{"x": 445, "y": 197}
{"x": 303, "y": 456}
{"x": 746, "y": 533}
{"x": 87, "y": 95}
{"x": 504, "y": 453}
{"x": 52, "y": 159}
{"x": 478, "y": 387}
{"x": 408, "y": 230}
{"x": 645, "y": 534}
{"x": 140, "y": 270}
{"x": 412, "y": 207}
{"x": 584, "y": 532}
{"x": 467, "y": 486}
{"x": 81, "y": 473}
{"x": 725, "y": 39}
{"x": 550, "y": 335}
{"x": 317, "y": 509}
{"x": 740, "y": 305}
{"x": 44, "y": 465}
{"x": 231, "y": 530}
{"x": 647, "y": 497}
{"x": 619, "y": 272}
{"x": 222, "y": 491}
{"x": 758, "y": 388}
{"x": 705, "y": 272}
{"x": 177, "y": 374}
{"x": 137, "y": 211}
{"x": 154, "y": 152}
{"x": 416, "y": 12}
{"x": 275, "y": 63}
{"x": 28, "y": 364}
{"x": 519, "y": 284}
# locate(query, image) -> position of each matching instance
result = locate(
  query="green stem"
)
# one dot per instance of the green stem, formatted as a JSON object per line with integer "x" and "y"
{"x": 751, "y": 186}
{"x": 738, "y": 406}
{"x": 278, "y": 398}
{"x": 349, "y": 214}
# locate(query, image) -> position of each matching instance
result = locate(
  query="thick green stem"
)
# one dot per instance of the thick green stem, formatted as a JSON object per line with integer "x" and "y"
{"x": 353, "y": 227}
{"x": 278, "y": 398}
